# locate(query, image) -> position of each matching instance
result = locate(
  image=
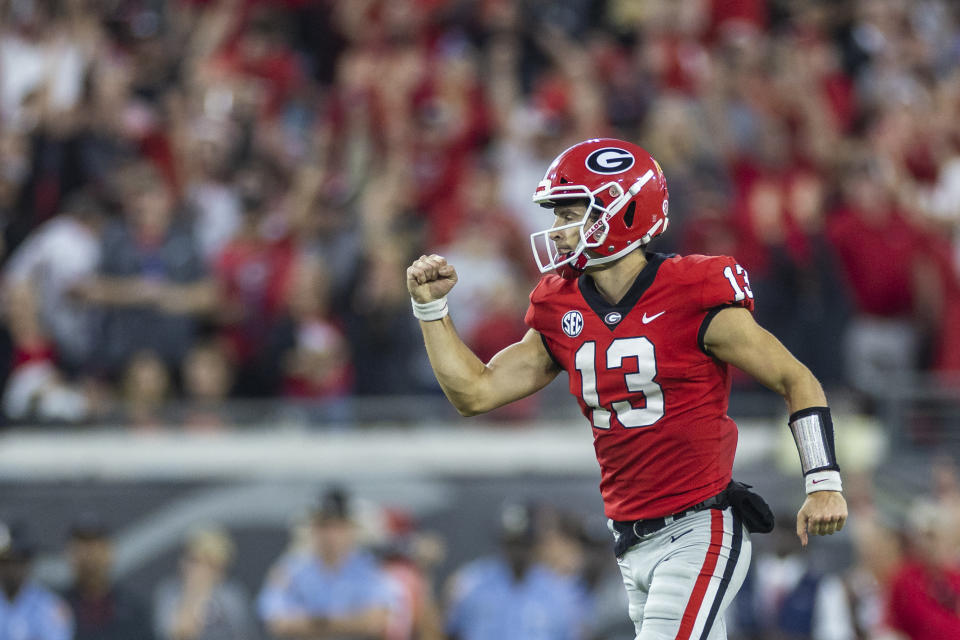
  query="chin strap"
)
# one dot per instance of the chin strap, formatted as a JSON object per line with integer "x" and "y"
{"x": 573, "y": 269}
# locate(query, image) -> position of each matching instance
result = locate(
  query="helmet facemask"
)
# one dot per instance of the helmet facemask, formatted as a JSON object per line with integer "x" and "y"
{"x": 593, "y": 232}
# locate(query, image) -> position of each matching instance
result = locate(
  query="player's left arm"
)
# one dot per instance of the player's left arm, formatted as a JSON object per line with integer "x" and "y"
{"x": 733, "y": 336}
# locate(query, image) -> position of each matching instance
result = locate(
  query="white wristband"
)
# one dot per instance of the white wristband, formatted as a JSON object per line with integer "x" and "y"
{"x": 827, "y": 480}
{"x": 428, "y": 311}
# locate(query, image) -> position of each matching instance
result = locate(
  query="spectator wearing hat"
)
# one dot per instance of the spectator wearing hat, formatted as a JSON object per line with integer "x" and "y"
{"x": 202, "y": 603}
{"x": 331, "y": 590}
{"x": 27, "y": 609}
{"x": 511, "y": 596}
{"x": 102, "y": 610}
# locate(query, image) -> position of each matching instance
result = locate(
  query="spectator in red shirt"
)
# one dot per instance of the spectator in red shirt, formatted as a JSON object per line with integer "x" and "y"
{"x": 877, "y": 247}
{"x": 924, "y": 598}
{"x": 263, "y": 62}
{"x": 253, "y": 275}
{"x": 881, "y": 256}
{"x": 451, "y": 121}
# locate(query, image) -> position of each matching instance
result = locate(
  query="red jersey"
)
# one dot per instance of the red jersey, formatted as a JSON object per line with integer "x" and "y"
{"x": 924, "y": 603}
{"x": 657, "y": 401}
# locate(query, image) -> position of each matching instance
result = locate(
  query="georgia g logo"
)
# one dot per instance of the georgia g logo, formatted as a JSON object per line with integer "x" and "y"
{"x": 572, "y": 323}
{"x": 610, "y": 160}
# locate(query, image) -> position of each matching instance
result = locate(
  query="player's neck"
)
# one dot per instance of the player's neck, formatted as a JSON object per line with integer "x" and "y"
{"x": 613, "y": 280}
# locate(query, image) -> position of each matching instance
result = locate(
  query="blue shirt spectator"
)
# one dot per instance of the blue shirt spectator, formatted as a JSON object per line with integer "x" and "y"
{"x": 332, "y": 590}
{"x": 490, "y": 602}
{"x": 304, "y": 585}
{"x": 28, "y": 611}
{"x": 34, "y": 613}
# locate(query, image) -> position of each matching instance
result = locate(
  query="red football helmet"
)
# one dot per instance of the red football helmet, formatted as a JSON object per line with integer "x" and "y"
{"x": 626, "y": 192}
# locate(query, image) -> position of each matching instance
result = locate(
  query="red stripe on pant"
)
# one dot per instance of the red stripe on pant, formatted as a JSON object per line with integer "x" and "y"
{"x": 703, "y": 580}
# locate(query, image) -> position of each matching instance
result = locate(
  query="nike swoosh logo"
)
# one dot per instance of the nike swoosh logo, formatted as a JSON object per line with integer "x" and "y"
{"x": 648, "y": 319}
{"x": 679, "y": 535}
{"x": 818, "y": 481}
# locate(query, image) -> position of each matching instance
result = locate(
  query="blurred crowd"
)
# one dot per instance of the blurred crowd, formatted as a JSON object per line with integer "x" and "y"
{"x": 349, "y": 572}
{"x": 899, "y": 579}
{"x": 211, "y": 200}
{"x": 365, "y": 571}
{"x": 206, "y": 199}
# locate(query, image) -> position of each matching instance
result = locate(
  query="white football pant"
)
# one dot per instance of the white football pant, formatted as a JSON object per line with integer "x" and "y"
{"x": 681, "y": 579}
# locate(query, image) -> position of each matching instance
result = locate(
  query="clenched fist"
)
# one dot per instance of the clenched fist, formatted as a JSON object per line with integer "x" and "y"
{"x": 823, "y": 513}
{"x": 430, "y": 278}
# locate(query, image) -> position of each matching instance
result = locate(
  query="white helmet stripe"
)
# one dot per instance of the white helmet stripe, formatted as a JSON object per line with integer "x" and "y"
{"x": 644, "y": 179}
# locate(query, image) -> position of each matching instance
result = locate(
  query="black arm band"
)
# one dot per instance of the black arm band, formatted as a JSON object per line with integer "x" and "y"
{"x": 812, "y": 430}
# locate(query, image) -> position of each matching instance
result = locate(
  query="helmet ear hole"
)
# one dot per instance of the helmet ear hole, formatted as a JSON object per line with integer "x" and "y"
{"x": 628, "y": 215}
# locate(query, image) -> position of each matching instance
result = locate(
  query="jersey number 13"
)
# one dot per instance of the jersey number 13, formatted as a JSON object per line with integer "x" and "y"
{"x": 640, "y": 383}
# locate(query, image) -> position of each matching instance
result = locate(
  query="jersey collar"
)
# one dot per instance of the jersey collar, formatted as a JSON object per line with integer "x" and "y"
{"x": 603, "y": 309}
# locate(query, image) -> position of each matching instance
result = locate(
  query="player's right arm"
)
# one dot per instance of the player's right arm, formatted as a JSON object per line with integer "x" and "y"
{"x": 472, "y": 386}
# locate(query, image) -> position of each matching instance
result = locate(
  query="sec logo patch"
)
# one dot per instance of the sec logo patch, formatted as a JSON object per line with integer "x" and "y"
{"x": 572, "y": 323}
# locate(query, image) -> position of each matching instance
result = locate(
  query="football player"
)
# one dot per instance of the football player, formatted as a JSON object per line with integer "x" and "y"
{"x": 646, "y": 340}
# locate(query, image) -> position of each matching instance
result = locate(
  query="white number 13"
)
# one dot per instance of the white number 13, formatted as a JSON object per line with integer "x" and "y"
{"x": 738, "y": 293}
{"x": 640, "y": 382}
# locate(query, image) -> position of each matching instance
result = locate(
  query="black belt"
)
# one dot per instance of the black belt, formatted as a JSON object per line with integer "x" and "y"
{"x": 630, "y": 531}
